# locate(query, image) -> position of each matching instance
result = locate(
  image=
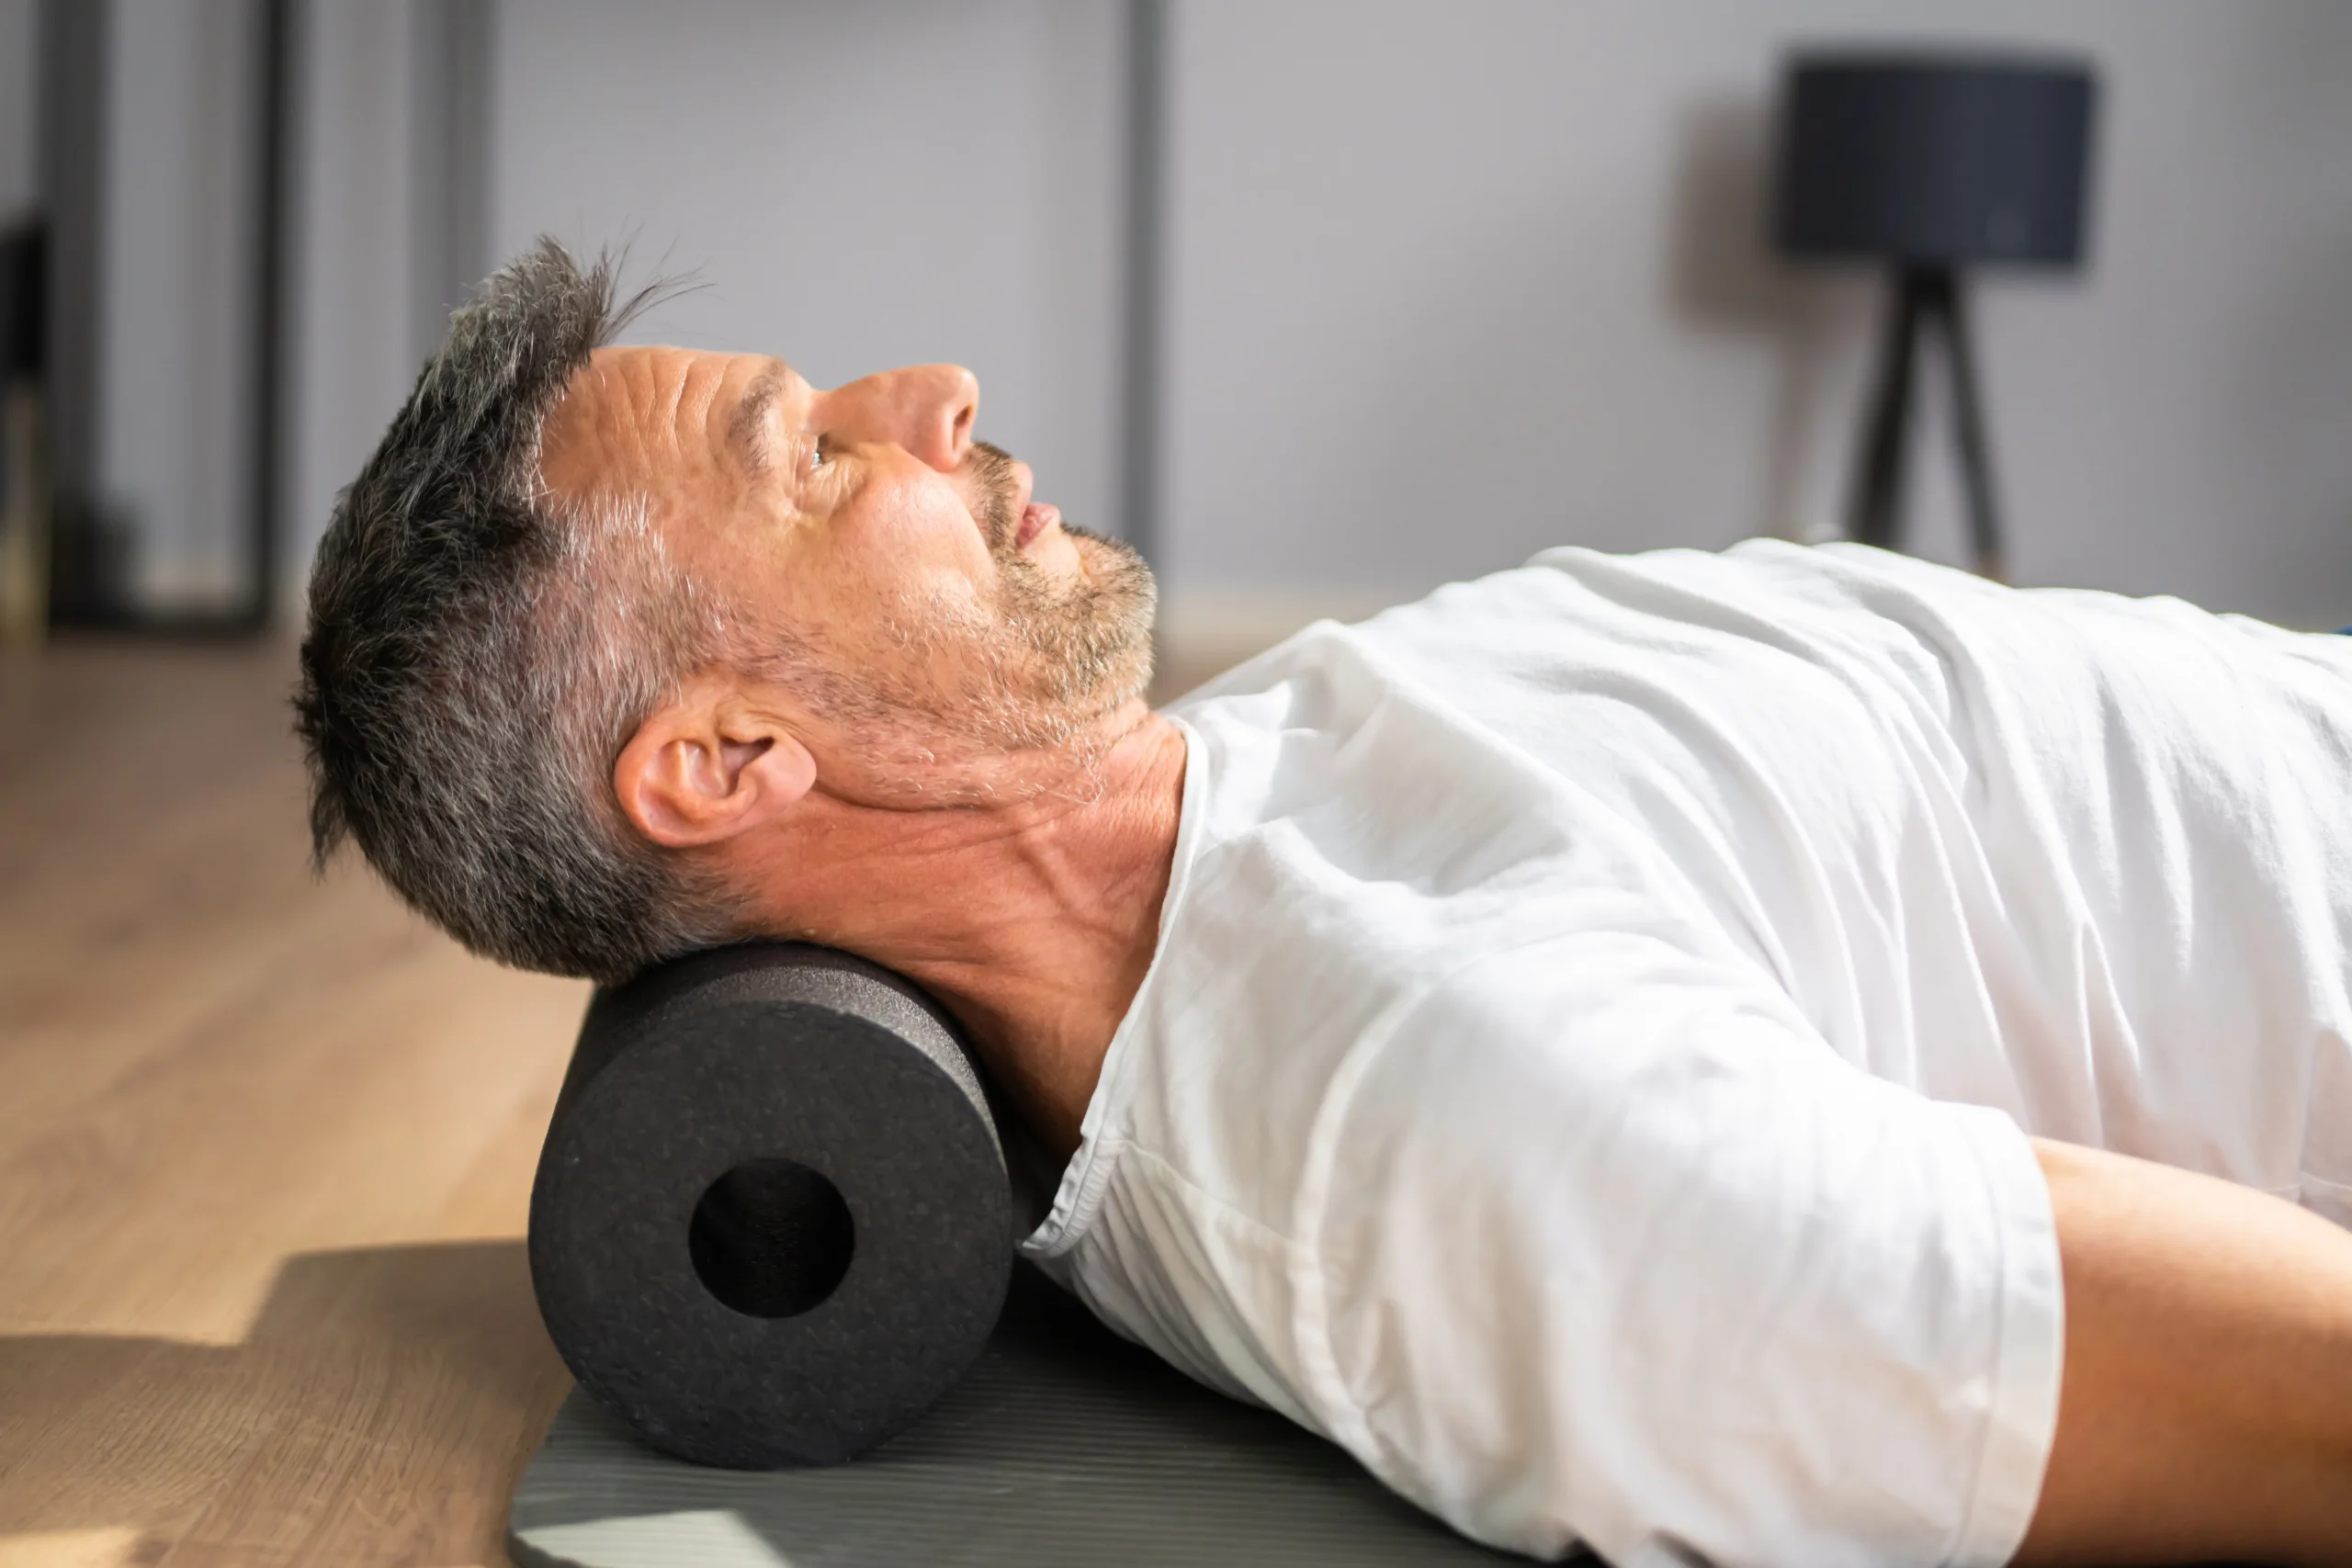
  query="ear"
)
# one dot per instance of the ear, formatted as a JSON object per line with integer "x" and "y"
{"x": 706, "y": 767}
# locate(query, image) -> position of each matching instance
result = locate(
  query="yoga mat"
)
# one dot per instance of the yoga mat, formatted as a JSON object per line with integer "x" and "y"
{"x": 1065, "y": 1447}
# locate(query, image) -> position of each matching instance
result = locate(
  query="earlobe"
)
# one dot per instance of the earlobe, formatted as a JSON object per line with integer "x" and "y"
{"x": 694, "y": 776}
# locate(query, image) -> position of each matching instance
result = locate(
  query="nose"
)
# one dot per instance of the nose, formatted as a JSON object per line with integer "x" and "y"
{"x": 927, "y": 409}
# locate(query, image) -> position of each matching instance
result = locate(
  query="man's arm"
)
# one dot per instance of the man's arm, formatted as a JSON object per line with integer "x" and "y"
{"x": 2206, "y": 1411}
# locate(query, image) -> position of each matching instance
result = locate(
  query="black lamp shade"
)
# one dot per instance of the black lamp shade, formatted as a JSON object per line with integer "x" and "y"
{"x": 1935, "y": 159}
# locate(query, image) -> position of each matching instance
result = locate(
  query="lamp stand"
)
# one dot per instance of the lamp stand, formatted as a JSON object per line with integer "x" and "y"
{"x": 1925, "y": 297}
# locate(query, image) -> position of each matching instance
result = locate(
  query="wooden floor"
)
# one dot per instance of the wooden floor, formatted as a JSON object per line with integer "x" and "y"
{"x": 265, "y": 1144}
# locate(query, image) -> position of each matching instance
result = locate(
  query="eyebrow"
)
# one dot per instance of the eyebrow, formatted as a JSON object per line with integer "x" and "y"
{"x": 749, "y": 420}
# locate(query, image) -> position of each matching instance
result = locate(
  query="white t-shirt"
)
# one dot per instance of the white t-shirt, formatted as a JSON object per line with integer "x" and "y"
{"x": 1598, "y": 1011}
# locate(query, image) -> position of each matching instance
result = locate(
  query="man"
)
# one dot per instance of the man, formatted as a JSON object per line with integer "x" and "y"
{"x": 1630, "y": 1048}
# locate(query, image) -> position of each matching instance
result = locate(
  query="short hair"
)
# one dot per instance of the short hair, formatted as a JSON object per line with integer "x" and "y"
{"x": 479, "y": 652}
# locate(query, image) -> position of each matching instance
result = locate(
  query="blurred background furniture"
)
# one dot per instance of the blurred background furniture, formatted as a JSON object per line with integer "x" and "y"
{"x": 24, "y": 468}
{"x": 1932, "y": 163}
{"x": 164, "y": 158}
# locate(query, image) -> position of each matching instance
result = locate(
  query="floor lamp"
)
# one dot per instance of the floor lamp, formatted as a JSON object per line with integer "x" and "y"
{"x": 1930, "y": 163}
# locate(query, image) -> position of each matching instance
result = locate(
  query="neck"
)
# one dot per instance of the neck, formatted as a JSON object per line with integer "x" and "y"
{"x": 1032, "y": 918}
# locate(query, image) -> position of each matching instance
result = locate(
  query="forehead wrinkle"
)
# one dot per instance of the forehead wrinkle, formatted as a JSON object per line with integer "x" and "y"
{"x": 627, "y": 421}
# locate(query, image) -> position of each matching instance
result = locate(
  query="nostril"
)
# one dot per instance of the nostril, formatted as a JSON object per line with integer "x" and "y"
{"x": 961, "y": 432}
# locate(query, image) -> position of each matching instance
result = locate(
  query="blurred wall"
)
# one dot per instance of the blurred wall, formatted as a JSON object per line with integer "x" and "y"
{"x": 176, "y": 327}
{"x": 390, "y": 156}
{"x": 20, "y": 48}
{"x": 1450, "y": 283}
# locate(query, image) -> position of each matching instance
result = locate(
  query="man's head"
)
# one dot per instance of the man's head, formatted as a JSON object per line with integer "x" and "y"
{"x": 592, "y": 617}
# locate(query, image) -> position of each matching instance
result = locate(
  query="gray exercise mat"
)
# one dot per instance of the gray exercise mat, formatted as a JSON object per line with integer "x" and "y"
{"x": 1064, "y": 1446}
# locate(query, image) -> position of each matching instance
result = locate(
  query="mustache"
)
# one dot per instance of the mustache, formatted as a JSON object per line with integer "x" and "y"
{"x": 992, "y": 470}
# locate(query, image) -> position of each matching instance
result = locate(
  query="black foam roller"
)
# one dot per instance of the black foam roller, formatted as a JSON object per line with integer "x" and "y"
{"x": 772, "y": 1222}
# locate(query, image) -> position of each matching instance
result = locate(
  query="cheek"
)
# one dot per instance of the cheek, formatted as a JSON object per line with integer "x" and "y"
{"x": 916, "y": 512}
{"x": 900, "y": 565}
{"x": 911, "y": 539}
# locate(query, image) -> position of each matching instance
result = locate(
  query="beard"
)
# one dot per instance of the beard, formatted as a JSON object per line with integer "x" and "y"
{"x": 1028, "y": 667}
{"x": 1066, "y": 650}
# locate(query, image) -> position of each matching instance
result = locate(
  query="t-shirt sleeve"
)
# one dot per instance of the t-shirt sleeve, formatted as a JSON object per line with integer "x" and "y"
{"x": 1603, "y": 1243}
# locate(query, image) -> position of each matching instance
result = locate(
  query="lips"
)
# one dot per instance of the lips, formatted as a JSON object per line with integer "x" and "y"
{"x": 1004, "y": 513}
{"x": 1036, "y": 518}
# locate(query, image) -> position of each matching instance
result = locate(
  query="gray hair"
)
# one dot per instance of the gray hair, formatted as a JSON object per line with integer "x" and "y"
{"x": 479, "y": 652}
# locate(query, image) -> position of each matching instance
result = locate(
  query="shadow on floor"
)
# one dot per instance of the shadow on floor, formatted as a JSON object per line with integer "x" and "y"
{"x": 376, "y": 1416}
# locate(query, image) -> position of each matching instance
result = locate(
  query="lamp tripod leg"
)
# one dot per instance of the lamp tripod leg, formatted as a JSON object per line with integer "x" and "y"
{"x": 1969, "y": 431}
{"x": 1876, "y": 515}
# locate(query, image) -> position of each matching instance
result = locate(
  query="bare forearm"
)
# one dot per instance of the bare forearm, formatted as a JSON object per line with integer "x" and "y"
{"x": 2206, "y": 1411}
